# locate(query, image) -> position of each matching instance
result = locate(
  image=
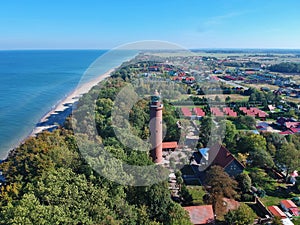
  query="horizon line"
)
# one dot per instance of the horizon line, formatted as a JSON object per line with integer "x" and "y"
{"x": 194, "y": 48}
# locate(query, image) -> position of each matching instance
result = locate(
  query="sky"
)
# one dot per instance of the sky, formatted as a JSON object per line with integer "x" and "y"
{"x": 99, "y": 24}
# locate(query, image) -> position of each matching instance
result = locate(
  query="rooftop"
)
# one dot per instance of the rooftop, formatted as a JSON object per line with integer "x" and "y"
{"x": 202, "y": 214}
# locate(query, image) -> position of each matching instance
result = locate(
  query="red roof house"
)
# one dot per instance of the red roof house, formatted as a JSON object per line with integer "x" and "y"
{"x": 202, "y": 214}
{"x": 216, "y": 111}
{"x": 277, "y": 212}
{"x": 289, "y": 125}
{"x": 186, "y": 112}
{"x": 290, "y": 206}
{"x": 220, "y": 156}
{"x": 199, "y": 112}
{"x": 229, "y": 112}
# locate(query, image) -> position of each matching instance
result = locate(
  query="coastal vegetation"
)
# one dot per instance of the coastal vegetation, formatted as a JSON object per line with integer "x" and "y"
{"x": 50, "y": 182}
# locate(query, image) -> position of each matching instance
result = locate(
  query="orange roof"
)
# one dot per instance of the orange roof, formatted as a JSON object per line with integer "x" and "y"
{"x": 288, "y": 204}
{"x": 201, "y": 214}
{"x": 169, "y": 145}
{"x": 276, "y": 211}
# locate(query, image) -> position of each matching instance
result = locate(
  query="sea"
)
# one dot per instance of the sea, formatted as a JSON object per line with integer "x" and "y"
{"x": 32, "y": 82}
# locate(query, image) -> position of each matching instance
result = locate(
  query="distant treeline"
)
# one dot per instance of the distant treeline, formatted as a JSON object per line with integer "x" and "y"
{"x": 286, "y": 67}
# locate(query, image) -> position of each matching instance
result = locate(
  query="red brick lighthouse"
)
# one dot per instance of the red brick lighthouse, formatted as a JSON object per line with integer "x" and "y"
{"x": 156, "y": 127}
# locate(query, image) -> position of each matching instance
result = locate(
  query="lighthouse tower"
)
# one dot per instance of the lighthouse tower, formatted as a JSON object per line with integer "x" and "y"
{"x": 156, "y": 127}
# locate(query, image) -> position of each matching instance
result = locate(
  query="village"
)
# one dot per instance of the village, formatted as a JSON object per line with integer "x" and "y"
{"x": 234, "y": 89}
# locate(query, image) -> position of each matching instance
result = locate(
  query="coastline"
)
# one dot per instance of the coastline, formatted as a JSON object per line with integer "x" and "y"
{"x": 66, "y": 104}
{"x": 57, "y": 115}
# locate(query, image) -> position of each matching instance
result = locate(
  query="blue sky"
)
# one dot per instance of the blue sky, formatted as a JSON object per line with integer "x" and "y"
{"x": 67, "y": 24}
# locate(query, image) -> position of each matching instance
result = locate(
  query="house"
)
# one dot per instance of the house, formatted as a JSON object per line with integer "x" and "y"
{"x": 186, "y": 112}
{"x": 290, "y": 125}
{"x": 289, "y": 206}
{"x": 227, "y": 161}
{"x": 202, "y": 214}
{"x": 216, "y": 111}
{"x": 271, "y": 108}
{"x": 220, "y": 156}
{"x": 262, "y": 126}
{"x": 276, "y": 212}
{"x": 255, "y": 112}
{"x": 229, "y": 112}
{"x": 199, "y": 112}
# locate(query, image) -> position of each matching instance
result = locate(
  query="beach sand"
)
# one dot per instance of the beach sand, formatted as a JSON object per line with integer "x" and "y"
{"x": 62, "y": 109}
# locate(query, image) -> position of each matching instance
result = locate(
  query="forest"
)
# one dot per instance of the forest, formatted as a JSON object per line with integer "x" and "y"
{"x": 49, "y": 181}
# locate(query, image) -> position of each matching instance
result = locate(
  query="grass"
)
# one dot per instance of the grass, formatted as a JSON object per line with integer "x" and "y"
{"x": 274, "y": 197}
{"x": 296, "y": 221}
{"x": 197, "y": 193}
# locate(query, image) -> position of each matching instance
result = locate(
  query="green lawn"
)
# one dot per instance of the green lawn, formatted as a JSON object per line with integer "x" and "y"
{"x": 277, "y": 196}
{"x": 197, "y": 193}
{"x": 296, "y": 221}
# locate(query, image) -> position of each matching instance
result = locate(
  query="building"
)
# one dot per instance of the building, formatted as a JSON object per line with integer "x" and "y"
{"x": 156, "y": 118}
{"x": 169, "y": 145}
{"x": 220, "y": 156}
{"x": 202, "y": 214}
{"x": 289, "y": 206}
{"x": 186, "y": 112}
{"x": 226, "y": 160}
{"x": 276, "y": 212}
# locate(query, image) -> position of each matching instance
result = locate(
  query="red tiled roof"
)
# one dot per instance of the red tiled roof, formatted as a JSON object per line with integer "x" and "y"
{"x": 216, "y": 111}
{"x": 292, "y": 124}
{"x": 199, "y": 112}
{"x": 202, "y": 214}
{"x": 169, "y": 145}
{"x": 288, "y": 204}
{"x": 177, "y": 78}
{"x": 186, "y": 111}
{"x": 291, "y": 206}
{"x": 190, "y": 79}
{"x": 295, "y": 130}
{"x": 277, "y": 212}
{"x": 228, "y": 111}
{"x": 254, "y": 112}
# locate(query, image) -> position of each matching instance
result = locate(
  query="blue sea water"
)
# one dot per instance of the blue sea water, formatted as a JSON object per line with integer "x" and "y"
{"x": 32, "y": 82}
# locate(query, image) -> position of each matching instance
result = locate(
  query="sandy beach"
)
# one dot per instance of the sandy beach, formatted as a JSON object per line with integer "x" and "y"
{"x": 64, "y": 107}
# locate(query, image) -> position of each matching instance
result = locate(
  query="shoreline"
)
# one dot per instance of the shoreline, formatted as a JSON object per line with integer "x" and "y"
{"x": 65, "y": 104}
{"x": 63, "y": 108}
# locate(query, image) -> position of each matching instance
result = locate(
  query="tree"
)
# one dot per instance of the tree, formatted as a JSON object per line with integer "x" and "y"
{"x": 228, "y": 99}
{"x": 217, "y": 98}
{"x": 251, "y": 142}
{"x": 244, "y": 215}
{"x": 230, "y": 135}
{"x": 205, "y": 130}
{"x": 288, "y": 158}
{"x": 244, "y": 182}
{"x": 221, "y": 185}
{"x": 261, "y": 158}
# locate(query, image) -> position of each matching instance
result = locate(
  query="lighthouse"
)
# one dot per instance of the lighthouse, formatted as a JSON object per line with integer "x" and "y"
{"x": 156, "y": 118}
